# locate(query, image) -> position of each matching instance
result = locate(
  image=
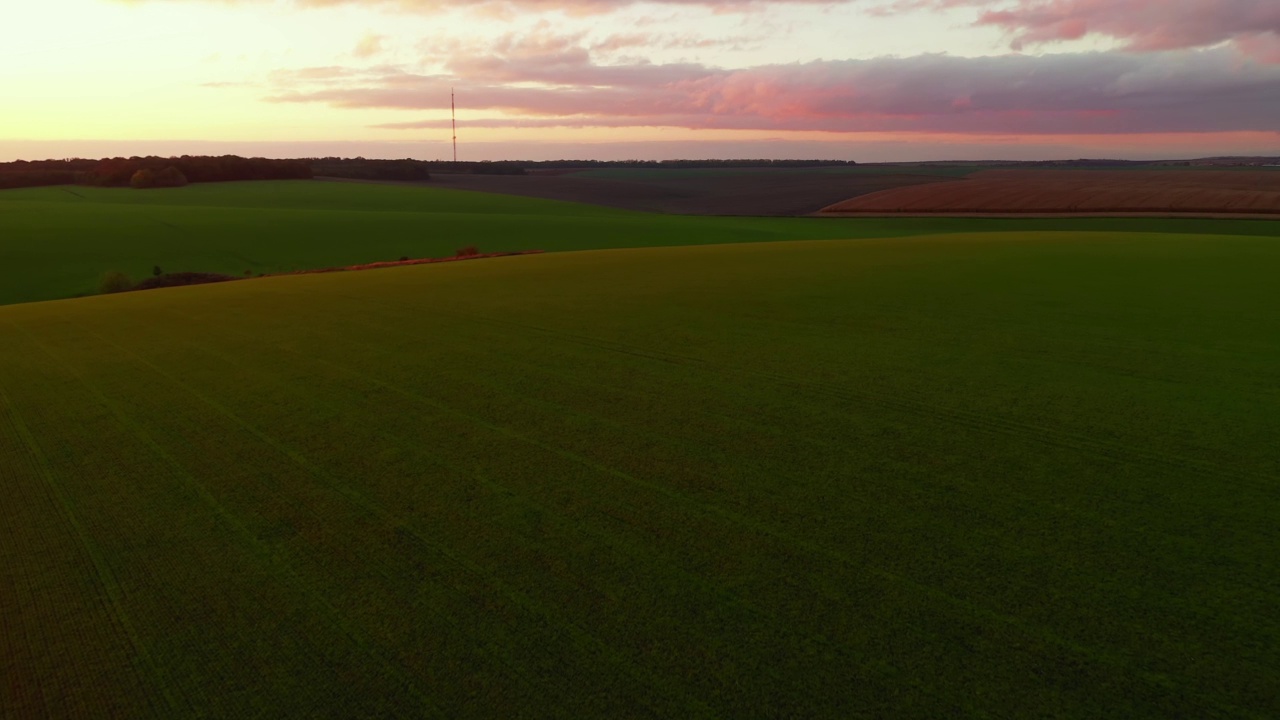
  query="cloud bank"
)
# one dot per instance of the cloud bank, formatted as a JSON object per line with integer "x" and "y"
{"x": 1253, "y": 26}
{"x": 571, "y": 7}
{"x": 548, "y": 81}
{"x": 1144, "y": 25}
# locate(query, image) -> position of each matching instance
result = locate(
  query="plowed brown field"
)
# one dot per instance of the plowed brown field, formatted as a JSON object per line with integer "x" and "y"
{"x": 1198, "y": 192}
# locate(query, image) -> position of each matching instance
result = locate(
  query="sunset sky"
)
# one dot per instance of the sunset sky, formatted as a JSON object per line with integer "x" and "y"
{"x": 867, "y": 80}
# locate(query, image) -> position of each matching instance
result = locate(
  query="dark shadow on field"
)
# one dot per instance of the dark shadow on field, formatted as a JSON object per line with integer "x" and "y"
{"x": 753, "y": 191}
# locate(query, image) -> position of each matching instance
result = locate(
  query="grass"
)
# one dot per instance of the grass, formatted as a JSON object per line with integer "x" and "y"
{"x": 58, "y": 242}
{"x": 1017, "y": 475}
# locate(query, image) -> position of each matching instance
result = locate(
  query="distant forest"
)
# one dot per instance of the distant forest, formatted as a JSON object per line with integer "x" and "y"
{"x": 360, "y": 168}
{"x": 144, "y": 172}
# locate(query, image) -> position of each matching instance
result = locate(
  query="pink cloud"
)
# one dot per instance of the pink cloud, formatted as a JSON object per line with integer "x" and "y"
{"x": 1142, "y": 25}
{"x": 553, "y": 81}
{"x": 507, "y": 7}
{"x": 1145, "y": 24}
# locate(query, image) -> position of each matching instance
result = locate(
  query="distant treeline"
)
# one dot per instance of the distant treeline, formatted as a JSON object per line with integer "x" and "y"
{"x": 153, "y": 171}
{"x": 411, "y": 170}
{"x": 761, "y": 163}
{"x": 117, "y": 172}
{"x": 159, "y": 171}
{"x": 361, "y": 169}
{"x": 42, "y": 172}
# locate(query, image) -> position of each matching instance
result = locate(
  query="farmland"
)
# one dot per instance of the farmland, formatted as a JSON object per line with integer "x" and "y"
{"x": 705, "y": 191}
{"x": 58, "y": 242}
{"x": 1074, "y": 192}
{"x": 1019, "y": 474}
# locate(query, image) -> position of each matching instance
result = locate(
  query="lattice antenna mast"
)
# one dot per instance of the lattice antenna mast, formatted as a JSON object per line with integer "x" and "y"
{"x": 453, "y": 110}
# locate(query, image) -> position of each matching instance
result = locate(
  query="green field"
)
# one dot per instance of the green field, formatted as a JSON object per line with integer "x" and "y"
{"x": 997, "y": 475}
{"x": 58, "y": 242}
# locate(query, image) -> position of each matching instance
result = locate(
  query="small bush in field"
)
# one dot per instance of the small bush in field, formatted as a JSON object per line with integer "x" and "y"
{"x": 469, "y": 251}
{"x": 156, "y": 271}
{"x": 114, "y": 282}
{"x": 404, "y": 258}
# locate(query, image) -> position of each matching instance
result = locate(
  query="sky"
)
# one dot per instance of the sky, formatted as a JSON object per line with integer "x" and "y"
{"x": 863, "y": 80}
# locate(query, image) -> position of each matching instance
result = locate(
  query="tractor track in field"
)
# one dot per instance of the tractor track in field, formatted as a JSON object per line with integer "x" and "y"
{"x": 765, "y": 529}
{"x": 716, "y": 511}
{"x": 966, "y": 479}
{"x": 861, "y": 399}
{"x": 758, "y": 427}
{"x": 164, "y": 703}
{"x": 922, "y": 408}
{"x": 564, "y": 522}
{"x": 975, "y": 421}
{"x": 368, "y": 506}
{"x": 392, "y": 520}
{"x": 271, "y": 558}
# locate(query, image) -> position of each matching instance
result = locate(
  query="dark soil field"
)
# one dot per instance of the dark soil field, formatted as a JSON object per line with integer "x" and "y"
{"x": 1073, "y": 192}
{"x": 764, "y": 191}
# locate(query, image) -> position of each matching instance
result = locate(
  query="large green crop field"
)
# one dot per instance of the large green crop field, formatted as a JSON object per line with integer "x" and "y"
{"x": 996, "y": 475}
{"x": 58, "y": 242}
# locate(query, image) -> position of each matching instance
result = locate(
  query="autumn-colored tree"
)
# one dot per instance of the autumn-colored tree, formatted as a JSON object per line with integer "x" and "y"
{"x": 143, "y": 179}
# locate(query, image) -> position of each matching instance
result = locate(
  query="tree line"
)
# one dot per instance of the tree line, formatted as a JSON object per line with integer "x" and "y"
{"x": 151, "y": 171}
{"x": 415, "y": 170}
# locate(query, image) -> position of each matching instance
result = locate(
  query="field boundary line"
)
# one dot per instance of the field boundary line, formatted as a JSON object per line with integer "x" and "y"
{"x": 376, "y": 510}
{"x": 273, "y": 559}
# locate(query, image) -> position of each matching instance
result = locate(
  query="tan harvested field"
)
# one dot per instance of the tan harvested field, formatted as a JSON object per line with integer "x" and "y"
{"x": 1223, "y": 193}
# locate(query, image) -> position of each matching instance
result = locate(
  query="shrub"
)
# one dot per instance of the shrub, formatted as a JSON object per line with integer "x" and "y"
{"x": 143, "y": 179}
{"x": 404, "y": 258}
{"x": 469, "y": 251}
{"x": 114, "y": 282}
{"x": 156, "y": 271}
{"x": 148, "y": 178}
